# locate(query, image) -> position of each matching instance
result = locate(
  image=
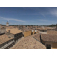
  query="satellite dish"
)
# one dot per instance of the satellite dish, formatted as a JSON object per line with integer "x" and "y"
{"x": 32, "y": 30}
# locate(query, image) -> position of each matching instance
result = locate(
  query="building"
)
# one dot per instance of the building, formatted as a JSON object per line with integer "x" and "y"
{"x": 27, "y": 33}
{"x": 52, "y": 32}
{"x": 14, "y": 33}
{"x": 42, "y": 29}
{"x": 9, "y": 36}
{"x": 50, "y": 28}
{"x": 7, "y": 24}
{"x": 5, "y": 41}
{"x": 37, "y": 37}
{"x": 2, "y": 29}
{"x": 45, "y": 29}
{"x": 28, "y": 43}
{"x": 50, "y": 41}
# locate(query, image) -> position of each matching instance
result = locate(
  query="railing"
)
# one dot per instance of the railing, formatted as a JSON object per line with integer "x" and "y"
{"x": 7, "y": 45}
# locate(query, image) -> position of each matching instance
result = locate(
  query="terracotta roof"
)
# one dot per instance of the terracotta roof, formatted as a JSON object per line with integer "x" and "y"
{"x": 49, "y": 28}
{"x": 9, "y": 26}
{"x": 14, "y": 30}
{"x": 37, "y": 37}
{"x": 28, "y": 43}
{"x": 41, "y": 28}
{"x": 52, "y": 32}
{"x": 25, "y": 29}
{"x": 4, "y": 38}
{"x": 48, "y": 37}
{"x": 46, "y": 28}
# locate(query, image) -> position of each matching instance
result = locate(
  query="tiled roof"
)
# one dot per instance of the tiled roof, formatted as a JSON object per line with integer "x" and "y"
{"x": 52, "y": 32}
{"x": 26, "y": 29}
{"x": 28, "y": 43}
{"x": 37, "y": 37}
{"x": 41, "y": 28}
{"x": 46, "y": 28}
{"x": 9, "y": 26}
{"x": 49, "y": 37}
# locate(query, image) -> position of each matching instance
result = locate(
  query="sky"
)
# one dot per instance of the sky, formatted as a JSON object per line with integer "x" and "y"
{"x": 28, "y": 15}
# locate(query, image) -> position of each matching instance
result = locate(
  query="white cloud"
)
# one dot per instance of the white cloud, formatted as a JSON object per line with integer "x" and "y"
{"x": 53, "y": 12}
{"x": 8, "y": 19}
{"x": 43, "y": 20}
{"x": 43, "y": 14}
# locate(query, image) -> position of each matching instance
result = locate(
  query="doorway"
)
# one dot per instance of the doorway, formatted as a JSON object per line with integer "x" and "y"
{"x": 32, "y": 33}
{"x": 48, "y": 46}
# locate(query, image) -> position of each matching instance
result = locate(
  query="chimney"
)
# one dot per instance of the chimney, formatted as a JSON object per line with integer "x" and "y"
{"x": 9, "y": 31}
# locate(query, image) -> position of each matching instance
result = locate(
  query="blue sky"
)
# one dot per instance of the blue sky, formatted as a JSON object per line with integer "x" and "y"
{"x": 28, "y": 15}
